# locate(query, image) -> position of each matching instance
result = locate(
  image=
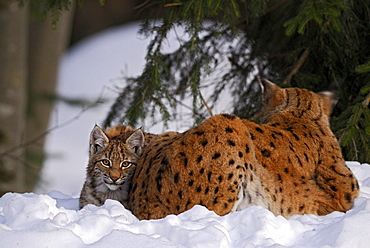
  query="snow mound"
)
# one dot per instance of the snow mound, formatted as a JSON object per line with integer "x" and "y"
{"x": 53, "y": 220}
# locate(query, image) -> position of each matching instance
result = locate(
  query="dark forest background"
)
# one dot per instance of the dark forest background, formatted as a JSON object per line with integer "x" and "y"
{"x": 313, "y": 44}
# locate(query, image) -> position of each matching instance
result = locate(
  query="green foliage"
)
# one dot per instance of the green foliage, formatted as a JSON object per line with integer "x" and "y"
{"x": 54, "y": 8}
{"x": 326, "y": 14}
{"x": 312, "y": 44}
{"x": 155, "y": 87}
{"x": 365, "y": 68}
{"x": 353, "y": 127}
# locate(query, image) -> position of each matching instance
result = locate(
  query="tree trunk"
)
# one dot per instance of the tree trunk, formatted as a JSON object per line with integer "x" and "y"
{"x": 13, "y": 95}
{"x": 29, "y": 59}
{"x": 46, "y": 47}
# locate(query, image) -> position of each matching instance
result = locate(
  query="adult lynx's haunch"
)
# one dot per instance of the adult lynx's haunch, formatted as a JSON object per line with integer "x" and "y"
{"x": 291, "y": 164}
{"x": 113, "y": 157}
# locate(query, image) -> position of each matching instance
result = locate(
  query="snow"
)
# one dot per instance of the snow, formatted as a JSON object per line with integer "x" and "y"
{"x": 50, "y": 218}
{"x": 53, "y": 220}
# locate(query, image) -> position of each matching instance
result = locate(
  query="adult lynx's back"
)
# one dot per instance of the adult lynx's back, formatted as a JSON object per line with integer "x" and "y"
{"x": 290, "y": 164}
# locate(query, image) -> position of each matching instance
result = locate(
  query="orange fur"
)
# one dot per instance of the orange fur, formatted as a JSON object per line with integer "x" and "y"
{"x": 290, "y": 164}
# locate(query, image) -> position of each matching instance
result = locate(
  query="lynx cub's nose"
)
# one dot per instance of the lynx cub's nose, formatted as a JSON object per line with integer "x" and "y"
{"x": 114, "y": 179}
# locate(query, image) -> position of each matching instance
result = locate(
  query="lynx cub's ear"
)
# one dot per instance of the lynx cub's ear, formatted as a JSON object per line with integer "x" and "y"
{"x": 98, "y": 140}
{"x": 329, "y": 98}
{"x": 136, "y": 141}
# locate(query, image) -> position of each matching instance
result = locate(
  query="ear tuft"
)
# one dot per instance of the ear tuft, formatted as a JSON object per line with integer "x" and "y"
{"x": 136, "y": 141}
{"x": 268, "y": 88}
{"x": 265, "y": 84}
{"x": 98, "y": 140}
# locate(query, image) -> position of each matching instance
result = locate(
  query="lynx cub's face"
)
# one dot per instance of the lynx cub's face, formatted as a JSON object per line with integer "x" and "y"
{"x": 113, "y": 158}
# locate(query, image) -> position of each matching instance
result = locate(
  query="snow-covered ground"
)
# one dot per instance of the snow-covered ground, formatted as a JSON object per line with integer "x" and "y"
{"x": 50, "y": 218}
{"x": 53, "y": 220}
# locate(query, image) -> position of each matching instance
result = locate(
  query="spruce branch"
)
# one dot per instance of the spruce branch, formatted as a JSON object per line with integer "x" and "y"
{"x": 326, "y": 40}
{"x": 172, "y": 4}
{"x": 365, "y": 68}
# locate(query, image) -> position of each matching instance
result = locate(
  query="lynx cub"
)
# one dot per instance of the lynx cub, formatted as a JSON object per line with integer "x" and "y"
{"x": 113, "y": 158}
{"x": 290, "y": 164}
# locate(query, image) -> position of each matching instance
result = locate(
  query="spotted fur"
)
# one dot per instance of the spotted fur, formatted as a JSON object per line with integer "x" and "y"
{"x": 290, "y": 164}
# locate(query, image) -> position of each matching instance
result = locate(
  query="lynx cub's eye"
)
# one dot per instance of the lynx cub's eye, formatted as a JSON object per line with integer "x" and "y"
{"x": 105, "y": 162}
{"x": 126, "y": 164}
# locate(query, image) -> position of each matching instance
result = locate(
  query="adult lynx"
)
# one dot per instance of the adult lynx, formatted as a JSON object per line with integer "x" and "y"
{"x": 290, "y": 164}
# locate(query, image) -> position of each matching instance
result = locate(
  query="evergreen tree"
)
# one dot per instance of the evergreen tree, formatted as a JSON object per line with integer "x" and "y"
{"x": 313, "y": 44}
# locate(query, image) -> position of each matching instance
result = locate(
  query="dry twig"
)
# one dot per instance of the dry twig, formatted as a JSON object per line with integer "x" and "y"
{"x": 296, "y": 67}
{"x": 205, "y": 104}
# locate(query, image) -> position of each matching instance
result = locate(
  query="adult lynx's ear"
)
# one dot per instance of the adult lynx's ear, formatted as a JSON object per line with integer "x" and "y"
{"x": 330, "y": 98}
{"x": 270, "y": 93}
{"x": 136, "y": 141}
{"x": 98, "y": 140}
